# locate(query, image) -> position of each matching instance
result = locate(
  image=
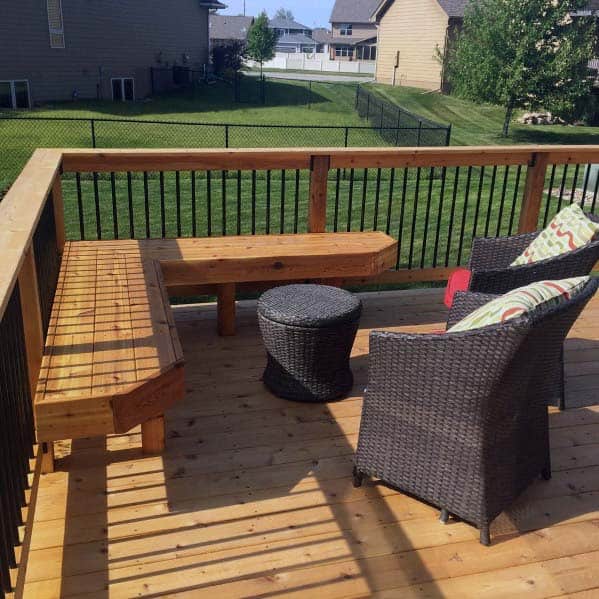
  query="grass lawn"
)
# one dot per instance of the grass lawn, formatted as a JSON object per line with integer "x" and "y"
{"x": 433, "y": 212}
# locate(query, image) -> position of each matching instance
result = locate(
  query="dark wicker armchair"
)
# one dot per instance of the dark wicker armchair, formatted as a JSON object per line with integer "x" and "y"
{"x": 460, "y": 420}
{"x": 491, "y": 257}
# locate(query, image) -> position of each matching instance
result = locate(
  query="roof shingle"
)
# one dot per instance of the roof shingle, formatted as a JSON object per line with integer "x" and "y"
{"x": 229, "y": 27}
{"x": 353, "y": 11}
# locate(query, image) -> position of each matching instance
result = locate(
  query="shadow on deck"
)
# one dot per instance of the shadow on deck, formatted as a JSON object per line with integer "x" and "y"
{"x": 253, "y": 497}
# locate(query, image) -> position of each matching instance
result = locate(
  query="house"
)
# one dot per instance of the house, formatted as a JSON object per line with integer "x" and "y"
{"x": 411, "y": 33}
{"x": 68, "y": 49}
{"x": 227, "y": 28}
{"x": 353, "y": 33}
{"x": 322, "y": 37}
{"x": 292, "y": 37}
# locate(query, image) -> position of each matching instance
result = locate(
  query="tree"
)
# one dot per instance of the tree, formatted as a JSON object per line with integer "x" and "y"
{"x": 523, "y": 54}
{"x": 284, "y": 13}
{"x": 261, "y": 41}
{"x": 227, "y": 57}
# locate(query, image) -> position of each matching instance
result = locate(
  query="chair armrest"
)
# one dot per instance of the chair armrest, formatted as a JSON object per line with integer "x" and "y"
{"x": 492, "y": 253}
{"x": 465, "y": 303}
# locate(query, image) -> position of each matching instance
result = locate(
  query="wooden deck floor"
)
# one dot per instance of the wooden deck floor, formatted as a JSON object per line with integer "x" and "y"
{"x": 253, "y": 497}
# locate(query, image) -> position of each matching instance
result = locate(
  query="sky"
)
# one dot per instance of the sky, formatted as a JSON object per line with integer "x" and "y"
{"x": 313, "y": 13}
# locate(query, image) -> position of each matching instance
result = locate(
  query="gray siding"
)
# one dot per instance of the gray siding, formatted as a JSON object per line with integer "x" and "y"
{"x": 103, "y": 39}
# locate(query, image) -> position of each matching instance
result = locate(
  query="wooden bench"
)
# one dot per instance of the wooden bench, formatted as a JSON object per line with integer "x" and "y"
{"x": 112, "y": 358}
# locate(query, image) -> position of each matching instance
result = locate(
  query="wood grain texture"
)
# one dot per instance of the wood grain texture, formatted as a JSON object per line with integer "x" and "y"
{"x": 533, "y": 193}
{"x": 253, "y": 495}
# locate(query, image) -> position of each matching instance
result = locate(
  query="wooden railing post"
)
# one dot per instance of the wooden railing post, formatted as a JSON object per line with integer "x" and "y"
{"x": 317, "y": 211}
{"x": 533, "y": 192}
{"x": 58, "y": 206}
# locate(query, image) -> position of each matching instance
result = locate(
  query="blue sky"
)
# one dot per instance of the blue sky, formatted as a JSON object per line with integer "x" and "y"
{"x": 313, "y": 13}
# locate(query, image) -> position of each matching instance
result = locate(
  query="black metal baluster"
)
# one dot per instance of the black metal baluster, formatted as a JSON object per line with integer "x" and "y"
{"x": 490, "y": 204}
{"x": 178, "y": 201}
{"x": 147, "y": 204}
{"x": 402, "y": 210}
{"x": 364, "y": 189}
{"x": 336, "y": 213}
{"x": 282, "y": 214}
{"x": 506, "y": 171}
{"x": 253, "y": 202}
{"x": 427, "y": 215}
{"x": 440, "y": 215}
{"x": 97, "y": 203}
{"x": 209, "y": 203}
{"x": 223, "y": 197}
{"x": 574, "y": 182}
{"x": 162, "y": 206}
{"x": 130, "y": 206}
{"x": 390, "y": 200}
{"x": 194, "y": 228}
{"x": 479, "y": 195}
{"x": 464, "y": 215}
{"x": 115, "y": 222}
{"x": 562, "y": 188}
{"x": 454, "y": 201}
{"x": 414, "y": 217}
{"x": 595, "y": 192}
{"x": 350, "y": 199}
{"x": 549, "y": 195}
{"x": 238, "y": 202}
{"x": 376, "y": 199}
{"x": 267, "y": 202}
{"x": 297, "y": 198}
{"x": 515, "y": 200}
{"x": 585, "y": 185}
{"x": 80, "y": 206}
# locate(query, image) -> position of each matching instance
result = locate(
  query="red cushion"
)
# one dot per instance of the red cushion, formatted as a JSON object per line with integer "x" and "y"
{"x": 458, "y": 281}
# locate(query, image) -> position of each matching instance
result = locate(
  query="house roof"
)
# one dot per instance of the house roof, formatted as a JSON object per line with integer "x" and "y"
{"x": 229, "y": 27}
{"x": 351, "y": 41}
{"x": 321, "y": 35}
{"x": 452, "y": 8}
{"x": 278, "y": 23}
{"x": 353, "y": 11}
{"x": 295, "y": 38}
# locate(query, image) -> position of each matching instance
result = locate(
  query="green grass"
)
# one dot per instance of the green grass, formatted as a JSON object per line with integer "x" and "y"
{"x": 474, "y": 124}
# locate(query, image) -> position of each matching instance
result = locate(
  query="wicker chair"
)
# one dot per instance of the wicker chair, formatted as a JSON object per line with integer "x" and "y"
{"x": 491, "y": 257}
{"x": 460, "y": 420}
{"x": 490, "y": 261}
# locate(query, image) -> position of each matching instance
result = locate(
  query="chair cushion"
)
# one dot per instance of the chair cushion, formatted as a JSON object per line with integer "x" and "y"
{"x": 569, "y": 230}
{"x": 458, "y": 281}
{"x": 520, "y": 301}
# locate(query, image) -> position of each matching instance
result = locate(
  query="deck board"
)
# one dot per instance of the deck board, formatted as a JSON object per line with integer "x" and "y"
{"x": 253, "y": 496}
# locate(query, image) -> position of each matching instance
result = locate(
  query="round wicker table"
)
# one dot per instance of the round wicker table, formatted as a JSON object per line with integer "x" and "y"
{"x": 308, "y": 331}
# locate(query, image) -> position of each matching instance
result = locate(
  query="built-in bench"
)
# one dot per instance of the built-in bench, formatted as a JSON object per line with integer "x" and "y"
{"x": 112, "y": 358}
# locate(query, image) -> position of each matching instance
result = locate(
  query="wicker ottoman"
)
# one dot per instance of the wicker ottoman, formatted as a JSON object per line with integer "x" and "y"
{"x": 308, "y": 331}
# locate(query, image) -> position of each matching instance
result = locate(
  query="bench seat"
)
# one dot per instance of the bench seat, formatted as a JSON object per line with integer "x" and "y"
{"x": 112, "y": 358}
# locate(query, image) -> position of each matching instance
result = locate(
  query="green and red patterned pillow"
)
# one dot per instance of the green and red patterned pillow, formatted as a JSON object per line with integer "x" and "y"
{"x": 520, "y": 301}
{"x": 569, "y": 230}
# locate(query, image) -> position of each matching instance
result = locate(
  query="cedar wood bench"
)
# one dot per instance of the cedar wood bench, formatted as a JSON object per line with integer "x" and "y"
{"x": 112, "y": 358}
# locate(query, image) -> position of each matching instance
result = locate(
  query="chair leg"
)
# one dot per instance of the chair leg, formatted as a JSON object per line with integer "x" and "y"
{"x": 444, "y": 516}
{"x": 562, "y": 386}
{"x": 358, "y": 477}
{"x": 485, "y": 535}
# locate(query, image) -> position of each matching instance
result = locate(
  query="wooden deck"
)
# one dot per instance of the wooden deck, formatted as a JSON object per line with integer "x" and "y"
{"x": 253, "y": 497}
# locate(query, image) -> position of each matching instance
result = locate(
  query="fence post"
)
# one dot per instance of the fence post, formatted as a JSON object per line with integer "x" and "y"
{"x": 357, "y": 96}
{"x": 397, "y": 129}
{"x": 317, "y": 209}
{"x": 448, "y": 136}
{"x": 419, "y": 133}
{"x": 92, "y": 122}
{"x": 533, "y": 192}
{"x": 226, "y": 136}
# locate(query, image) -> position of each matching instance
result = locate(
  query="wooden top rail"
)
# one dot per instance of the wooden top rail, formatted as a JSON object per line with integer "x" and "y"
{"x": 104, "y": 160}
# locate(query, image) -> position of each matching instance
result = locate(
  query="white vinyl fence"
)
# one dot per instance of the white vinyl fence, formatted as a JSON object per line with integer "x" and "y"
{"x": 316, "y": 62}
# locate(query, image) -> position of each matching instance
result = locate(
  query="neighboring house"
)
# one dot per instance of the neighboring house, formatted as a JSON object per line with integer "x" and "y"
{"x": 292, "y": 36}
{"x": 227, "y": 28}
{"x": 322, "y": 37}
{"x": 353, "y": 34}
{"x": 67, "y": 49}
{"x": 411, "y": 34}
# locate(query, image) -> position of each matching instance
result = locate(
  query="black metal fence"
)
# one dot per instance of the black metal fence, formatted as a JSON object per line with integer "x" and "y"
{"x": 397, "y": 126}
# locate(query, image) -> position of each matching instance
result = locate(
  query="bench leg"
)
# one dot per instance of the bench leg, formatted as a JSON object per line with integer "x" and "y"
{"x": 47, "y": 457}
{"x": 152, "y": 435}
{"x": 225, "y": 309}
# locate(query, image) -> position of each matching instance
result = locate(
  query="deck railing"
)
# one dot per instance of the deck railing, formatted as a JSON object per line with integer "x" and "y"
{"x": 433, "y": 200}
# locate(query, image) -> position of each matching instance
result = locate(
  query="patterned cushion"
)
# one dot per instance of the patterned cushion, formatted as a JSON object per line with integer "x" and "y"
{"x": 519, "y": 301}
{"x": 569, "y": 230}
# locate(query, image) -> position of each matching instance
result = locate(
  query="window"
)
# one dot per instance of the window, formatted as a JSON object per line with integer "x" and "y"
{"x": 55, "y": 24}
{"x": 123, "y": 89}
{"x": 343, "y": 51}
{"x": 14, "y": 94}
{"x": 345, "y": 29}
{"x": 366, "y": 52}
